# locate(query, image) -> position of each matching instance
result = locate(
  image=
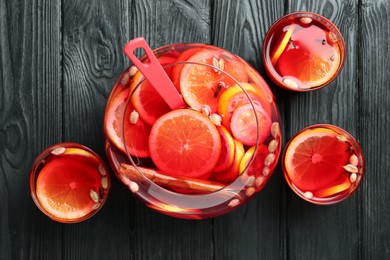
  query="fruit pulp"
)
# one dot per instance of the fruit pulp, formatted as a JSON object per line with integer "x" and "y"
{"x": 323, "y": 164}
{"x": 190, "y": 162}
{"x": 303, "y": 51}
{"x": 69, "y": 182}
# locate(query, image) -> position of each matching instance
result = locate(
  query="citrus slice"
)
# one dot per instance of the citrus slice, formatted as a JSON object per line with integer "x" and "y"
{"x": 235, "y": 96}
{"x": 315, "y": 61}
{"x": 184, "y": 143}
{"x": 82, "y": 152}
{"x": 233, "y": 171}
{"x": 257, "y": 166}
{"x": 282, "y": 44}
{"x": 201, "y": 85}
{"x": 345, "y": 184}
{"x": 146, "y": 100}
{"x": 314, "y": 159}
{"x": 113, "y": 118}
{"x": 246, "y": 128}
{"x": 227, "y": 150}
{"x": 176, "y": 70}
{"x": 136, "y": 134}
{"x": 64, "y": 185}
{"x": 82, "y": 155}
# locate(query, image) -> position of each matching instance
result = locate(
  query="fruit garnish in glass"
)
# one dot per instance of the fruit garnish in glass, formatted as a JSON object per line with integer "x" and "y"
{"x": 323, "y": 164}
{"x": 69, "y": 182}
{"x": 303, "y": 51}
{"x": 206, "y": 158}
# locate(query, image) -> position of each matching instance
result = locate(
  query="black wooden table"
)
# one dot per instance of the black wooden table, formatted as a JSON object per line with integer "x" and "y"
{"x": 58, "y": 62}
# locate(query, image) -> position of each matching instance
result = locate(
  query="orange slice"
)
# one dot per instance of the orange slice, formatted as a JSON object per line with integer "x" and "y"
{"x": 82, "y": 152}
{"x": 282, "y": 44}
{"x": 201, "y": 85}
{"x": 233, "y": 171}
{"x": 234, "y": 96}
{"x": 64, "y": 185}
{"x": 314, "y": 159}
{"x": 227, "y": 150}
{"x": 176, "y": 70}
{"x": 184, "y": 143}
{"x": 328, "y": 192}
{"x": 314, "y": 61}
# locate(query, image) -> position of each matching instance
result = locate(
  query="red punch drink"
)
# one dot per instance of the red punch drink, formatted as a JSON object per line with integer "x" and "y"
{"x": 69, "y": 182}
{"x": 303, "y": 51}
{"x": 323, "y": 164}
{"x": 206, "y": 158}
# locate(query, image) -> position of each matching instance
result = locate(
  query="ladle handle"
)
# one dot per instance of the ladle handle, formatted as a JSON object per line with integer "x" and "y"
{"x": 154, "y": 72}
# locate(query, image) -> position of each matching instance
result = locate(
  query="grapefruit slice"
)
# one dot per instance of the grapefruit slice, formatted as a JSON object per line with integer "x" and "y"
{"x": 146, "y": 100}
{"x": 314, "y": 160}
{"x": 230, "y": 174}
{"x": 113, "y": 118}
{"x": 315, "y": 62}
{"x": 184, "y": 143}
{"x": 63, "y": 187}
{"x": 246, "y": 128}
{"x": 136, "y": 134}
{"x": 200, "y": 85}
{"x": 234, "y": 96}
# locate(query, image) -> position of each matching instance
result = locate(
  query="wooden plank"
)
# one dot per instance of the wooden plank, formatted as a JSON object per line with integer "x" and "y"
{"x": 93, "y": 37}
{"x": 256, "y": 229}
{"x": 172, "y": 21}
{"x": 326, "y": 232}
{"x": 30, "y": 119}
{"x": 374, "y": 125}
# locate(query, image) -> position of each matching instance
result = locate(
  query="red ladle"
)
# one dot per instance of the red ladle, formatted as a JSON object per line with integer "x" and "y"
{"x": 154, "y": 72}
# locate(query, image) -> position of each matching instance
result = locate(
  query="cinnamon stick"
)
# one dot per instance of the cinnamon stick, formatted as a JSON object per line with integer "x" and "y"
{"x": 194, "y": 185}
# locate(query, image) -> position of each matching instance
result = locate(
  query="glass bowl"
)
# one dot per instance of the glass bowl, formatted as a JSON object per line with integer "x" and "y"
{"x": 167, "y": 162}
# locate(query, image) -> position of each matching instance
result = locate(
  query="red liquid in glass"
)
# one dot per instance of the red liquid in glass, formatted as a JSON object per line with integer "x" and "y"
{"x": 323, "y": 164}
{"x": 303, "y": 51}
{"x": 69, "y": 183}
{"x": 130, "y": 115}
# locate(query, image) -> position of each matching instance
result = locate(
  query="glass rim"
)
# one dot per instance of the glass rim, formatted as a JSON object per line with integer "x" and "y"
{"x": 322, "y": 19}
{"x": 33, "y": 174}
{"x": 341, "y": 196}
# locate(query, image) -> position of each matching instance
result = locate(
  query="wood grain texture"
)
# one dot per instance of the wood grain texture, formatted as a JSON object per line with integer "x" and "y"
{"x": 374, "y": 125}
{"x": 94, "y": 34}
{"x": 58, "y": 63}
{"x": 164, "y": 22}
{"x": 326, "y": 232}
{"x": 256, "y": 229}
{"x": 30, "y": 119}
